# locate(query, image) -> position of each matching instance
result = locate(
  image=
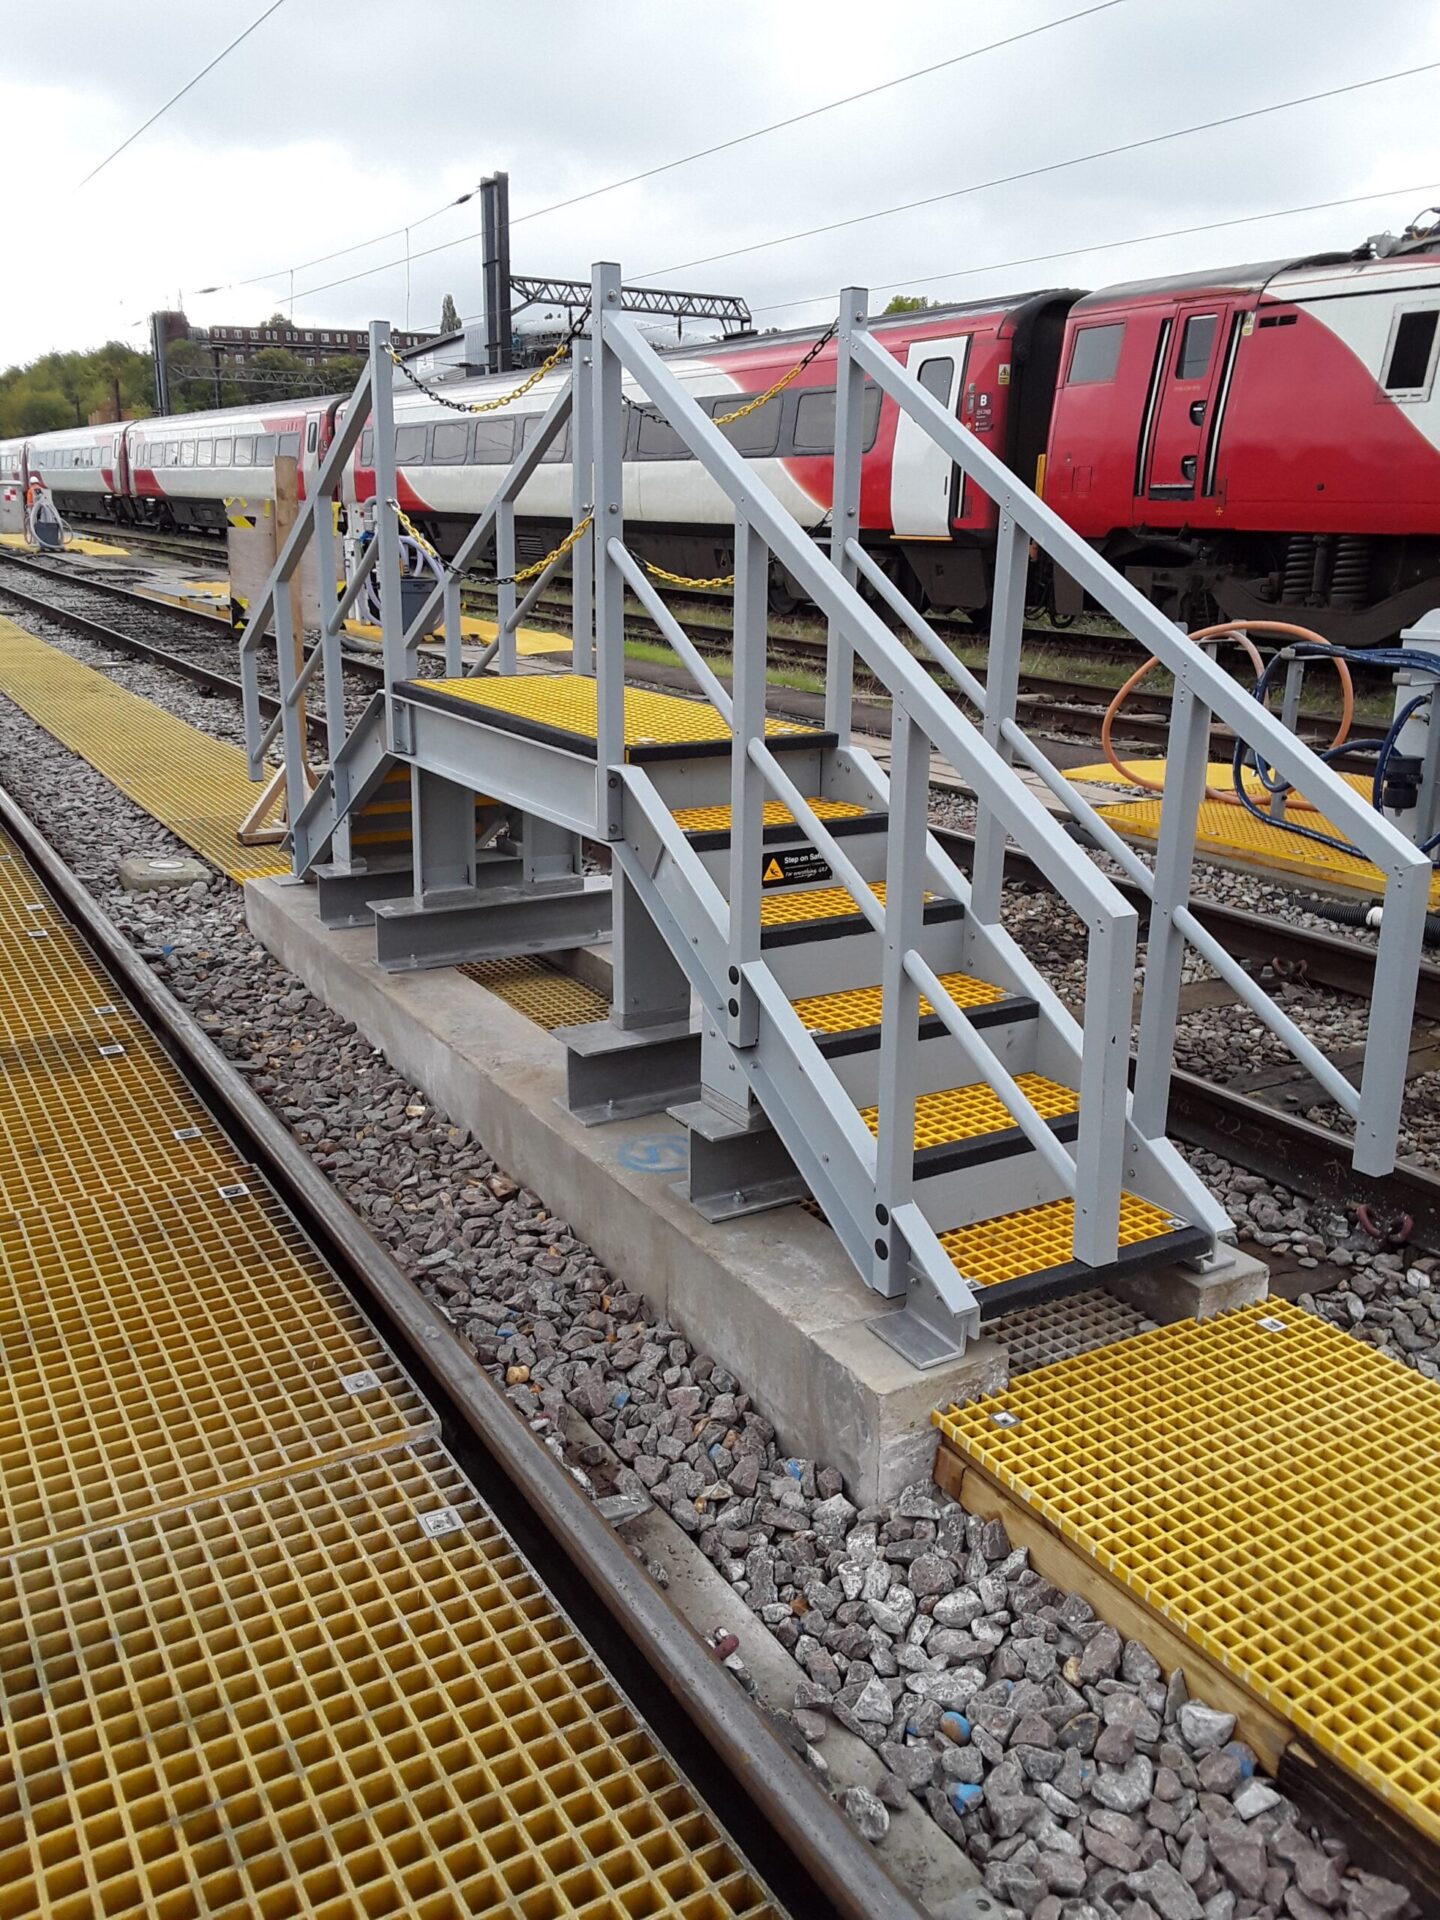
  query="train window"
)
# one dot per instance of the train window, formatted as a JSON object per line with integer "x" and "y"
{"x": 449, "y": 441}
{"x": 312, "y": 432}
{"x": 494, "y": 444}
{"x": 559, "y": 447}
{"x": 244, "y": 449}
{"x": 1095, "y": 355}
{"x": 815, "y": 413}
{"x": 410, "y": 446}
{"x": 290, "y": 444}
{"x": 1195, "y": 344}
{"x": 172, "y": 453}
{"x": 658, "y": 440}
{"x": 264, "y": 449}
{"x": 1412, "y": 347}
{"x": 204, "y": 452}
{"x": 223, "y": 450}
{"x": 187, "y": 453}
{"x": 757, "y": 433}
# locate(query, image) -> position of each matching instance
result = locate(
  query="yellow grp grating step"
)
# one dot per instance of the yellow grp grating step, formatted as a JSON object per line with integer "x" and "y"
{"x": 774, "y": 813}
{"x": 344, "y": 1696}
{"x": 1234, "y": 834}
{"x": 1271, "y": 1487}
{"x": 562, "y": 706}
{"x": 194, "y": 785}
{"x": 1039, "y": 1239}
{"x": 795, "y": 905}
{"x": 544, "y": 994}
{"x": 854, "y": 1008}
{"x": 162, "y": 1343}
{"x": 968, "y": 1113}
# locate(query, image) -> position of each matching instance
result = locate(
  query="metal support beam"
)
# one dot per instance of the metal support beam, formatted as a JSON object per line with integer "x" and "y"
{"x": 495, "y": 224}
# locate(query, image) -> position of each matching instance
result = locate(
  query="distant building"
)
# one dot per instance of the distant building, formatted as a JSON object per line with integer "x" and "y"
{"x": 238, "y": 346}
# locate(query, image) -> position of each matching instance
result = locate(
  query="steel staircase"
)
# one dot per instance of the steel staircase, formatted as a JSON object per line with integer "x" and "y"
{"x": 870, "y": 1038}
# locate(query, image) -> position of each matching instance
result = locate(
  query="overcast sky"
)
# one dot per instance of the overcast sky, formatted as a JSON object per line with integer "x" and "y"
{"x": 333, "y": 123}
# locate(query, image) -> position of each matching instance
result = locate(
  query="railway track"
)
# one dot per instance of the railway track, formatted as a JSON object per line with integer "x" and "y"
{"x": 1260, "y": 1134}
{"x": 682, "y": 1698}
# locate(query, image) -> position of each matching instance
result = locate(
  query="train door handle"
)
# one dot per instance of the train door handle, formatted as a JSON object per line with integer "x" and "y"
{"x": 1187, "y": 466}
{"x": 1197, "y": 412}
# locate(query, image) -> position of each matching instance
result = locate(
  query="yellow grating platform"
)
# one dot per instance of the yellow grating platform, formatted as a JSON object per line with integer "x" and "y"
{"x": 529, "y": 641}
{"x": 857, "y": 1007}
{"x": 81, "y": 1114}
{"x": 1037, "y": 1239}
{"x": 968, "y": 1113}
{"x": 774, "y": 814}
{"x": 542, "y": 993}
{"x": 1271, "y": 1486}
{"x": 194, "y": 785}
{"x": 1231, "y": 833}
{"x": 296, "y": 1702}
{"x": 163, "y": 1343}
{"x": 74, "y": 543}
{"x": 565, "y": 703}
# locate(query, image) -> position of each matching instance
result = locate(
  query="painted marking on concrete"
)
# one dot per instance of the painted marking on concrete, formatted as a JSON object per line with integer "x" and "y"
{"x": 656, "y": 1153}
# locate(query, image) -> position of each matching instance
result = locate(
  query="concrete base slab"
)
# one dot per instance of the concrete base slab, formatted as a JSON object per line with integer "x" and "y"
{"x": 148, "y": 873}
{"x": 771, "y": 1297}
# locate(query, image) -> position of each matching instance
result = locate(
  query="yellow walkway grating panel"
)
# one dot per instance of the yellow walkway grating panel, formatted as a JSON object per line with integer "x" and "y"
{"x": 194, "y": 785}
{"x": 161, "y": 1344}
{"x": 794, "y": 905}
{"x": 1037, "y": 1239}
{"x": 1231, "y": 833}
{"x": 544, "y": 994}
{"x": 968, "y": 1113}
{"x": 564, "y": 703}
{"x": 82, "y": 1114}
{"x": 342, "y": 1695}
{"x": 1271, "y": 1486}
{"x": 774, "y": 813}
{"x": 857, "y": 1007}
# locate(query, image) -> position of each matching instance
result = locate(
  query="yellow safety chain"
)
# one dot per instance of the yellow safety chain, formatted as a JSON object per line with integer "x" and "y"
{"x": 547, "y": 365}
{"x": 532, "y": 572}
{"x": 684, "y": 580}
{"x": 763, "y": 399}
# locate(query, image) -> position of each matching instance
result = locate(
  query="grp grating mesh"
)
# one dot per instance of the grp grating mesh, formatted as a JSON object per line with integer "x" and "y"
{"x": 774, "y": 813}
{"x": 195, "y": 786}
{"x": 1271, "y": 1486}
{"x": 80, "y": 1114}
{"x": 542, "y": 993}
{"x": 303, "y": 1700}
{"x": 968, "y": 1113}
{"x": 160, "y": 1344}
{"x": 794, "y": 905}
{"x": 1036, "y": 1239}
{"x": 565, "y": 703}
{"x": 1058, "y": 1329}
{"x": 858, "y": 1007}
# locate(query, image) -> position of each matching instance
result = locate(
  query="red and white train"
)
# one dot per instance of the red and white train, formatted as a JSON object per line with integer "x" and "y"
{"x": 1236, "y": 441}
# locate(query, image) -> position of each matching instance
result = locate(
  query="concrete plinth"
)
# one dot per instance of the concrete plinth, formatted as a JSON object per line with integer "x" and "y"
{"x": 771, "y": 1297}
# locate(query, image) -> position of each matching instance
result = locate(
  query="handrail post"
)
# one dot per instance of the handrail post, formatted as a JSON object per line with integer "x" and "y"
{"x": 899, "y": 995}
{"x": 1104, "y": 1086}
{"x": 292, "y": 715}
{"x": 1188, "y": 754}
{"x": 505, "y": 579}
{"x": 1289, "y": 719}
{"x": 1002, "y": 686}
{"x": 608, "y": 452}
{"x": 582, "y": 493}
{"x": 845, "y": 504}
{"x": 387, "y": 525}
{"x": 747, "y": 781}
{"x": 454, "y": 632}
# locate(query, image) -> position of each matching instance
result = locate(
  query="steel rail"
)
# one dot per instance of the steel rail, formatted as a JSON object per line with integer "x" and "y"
{"x": 832, "y": 1870}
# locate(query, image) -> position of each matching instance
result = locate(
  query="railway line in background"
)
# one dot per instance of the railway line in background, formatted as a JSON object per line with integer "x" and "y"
{"x": 1265, "y": 1136}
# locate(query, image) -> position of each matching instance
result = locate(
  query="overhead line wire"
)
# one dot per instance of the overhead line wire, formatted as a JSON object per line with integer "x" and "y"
{"x": 1053, "y": 166}
{"x": 159, "y": 112}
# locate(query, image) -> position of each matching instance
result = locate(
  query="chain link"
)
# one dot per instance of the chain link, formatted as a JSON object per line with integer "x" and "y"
{"x": 763, "y": 399}
{"x": 684, "y": 579}
{"x": 532, "y": 572}
{"x": 547, "y": 365}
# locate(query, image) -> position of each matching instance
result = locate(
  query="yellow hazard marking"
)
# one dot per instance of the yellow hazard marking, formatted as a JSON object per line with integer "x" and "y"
{"x": 773, "y": 872}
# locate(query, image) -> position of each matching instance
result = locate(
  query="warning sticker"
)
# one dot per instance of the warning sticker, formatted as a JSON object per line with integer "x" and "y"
{"x": 796, "y": 866}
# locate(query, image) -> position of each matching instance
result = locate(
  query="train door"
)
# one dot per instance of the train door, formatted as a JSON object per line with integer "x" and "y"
{"x": 922, "y": 477}
{"x": 1182, "y": 392}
